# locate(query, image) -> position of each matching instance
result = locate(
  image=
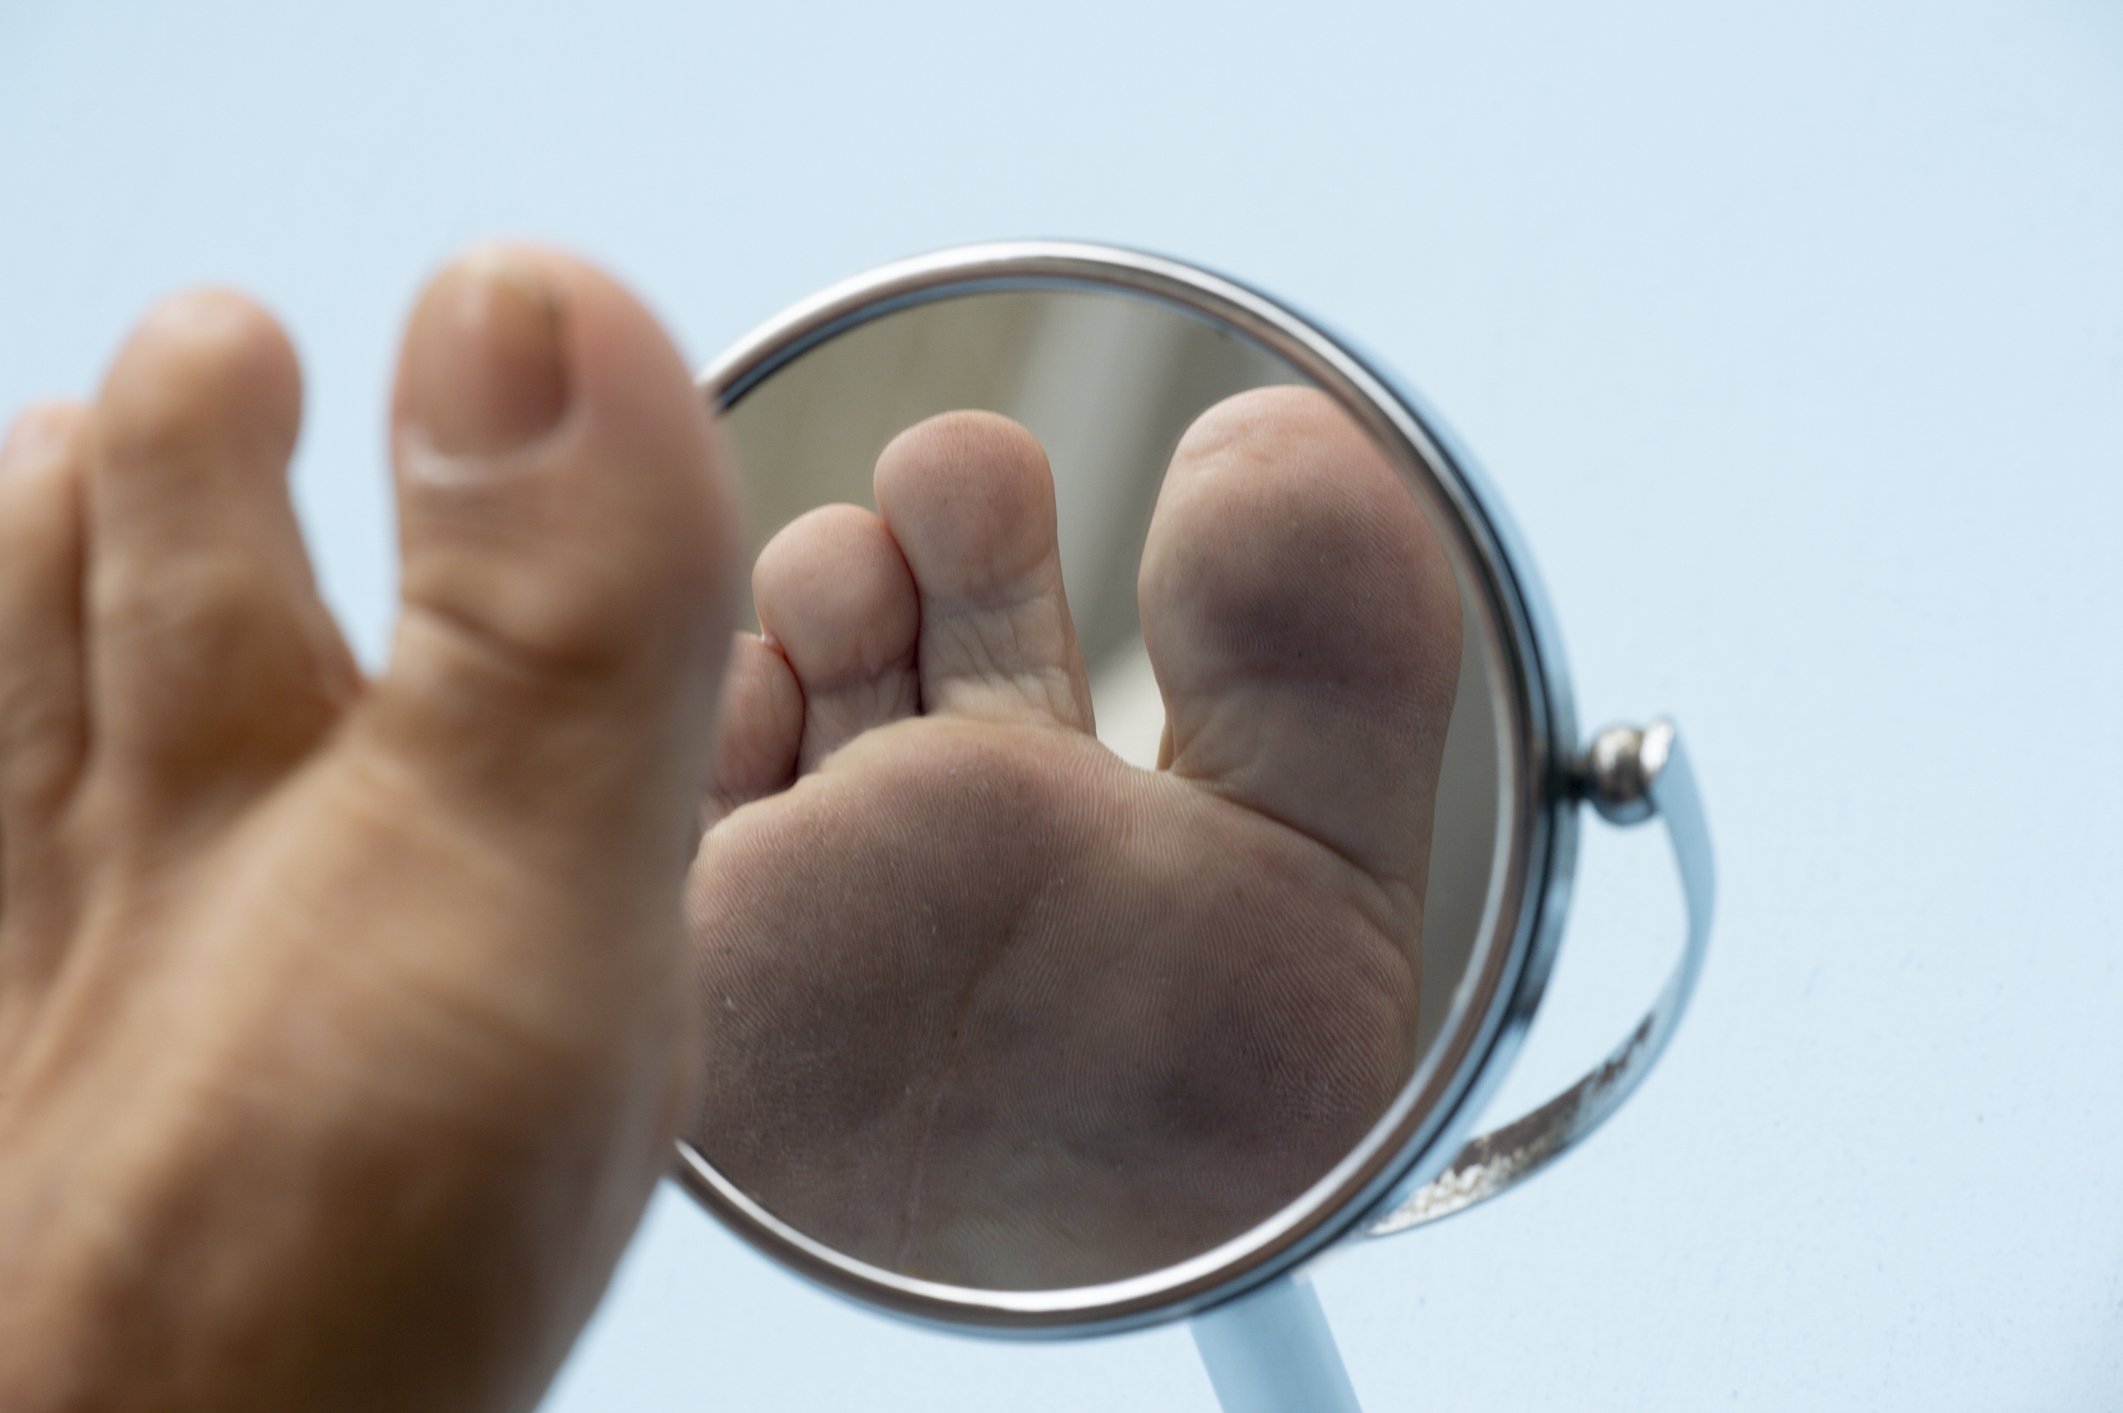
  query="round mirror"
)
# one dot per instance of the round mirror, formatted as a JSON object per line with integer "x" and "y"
{"x": 1143, "y": 811}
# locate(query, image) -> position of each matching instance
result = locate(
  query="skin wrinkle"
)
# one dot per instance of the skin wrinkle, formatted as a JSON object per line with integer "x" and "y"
{"x": 961, "y": 1032}
{"x": 1405, "y": 879}
{"x": 970, "y": 631}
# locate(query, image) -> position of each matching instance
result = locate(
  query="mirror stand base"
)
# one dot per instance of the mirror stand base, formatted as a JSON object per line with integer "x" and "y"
{"x": 1271, "y": 1352}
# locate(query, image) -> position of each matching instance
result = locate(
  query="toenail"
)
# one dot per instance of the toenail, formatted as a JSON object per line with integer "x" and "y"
{"x": 486, "y": 368}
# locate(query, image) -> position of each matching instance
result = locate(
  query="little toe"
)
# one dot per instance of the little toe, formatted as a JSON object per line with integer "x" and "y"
{"x": 762, "y": 729}
{"x": 970, "y": 500}
{"x": 1304, "y": 625}
{"x": 569, "y": 535}
{"x": 836, "y": 597}
{"x": 43, "y": 721}
{"x": 211, "y": 656}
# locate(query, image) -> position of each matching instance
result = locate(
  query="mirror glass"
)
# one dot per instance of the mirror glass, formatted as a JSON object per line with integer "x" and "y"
{"x": 1045, "y": 946}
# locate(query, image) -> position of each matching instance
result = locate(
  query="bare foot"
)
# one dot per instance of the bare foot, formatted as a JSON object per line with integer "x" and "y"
{"x": 987, "y": 1005}
{"x": 342, "y": 1032}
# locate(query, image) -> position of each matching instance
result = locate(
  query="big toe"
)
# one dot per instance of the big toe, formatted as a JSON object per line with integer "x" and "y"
{"x": 1304, "y": 625}
{"x": 569, "y": 534}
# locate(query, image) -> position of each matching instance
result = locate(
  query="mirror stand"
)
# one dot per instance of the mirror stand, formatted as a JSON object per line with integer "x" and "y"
{"x": 1629, "y": 776}
{"x": 1271, "y": 1351}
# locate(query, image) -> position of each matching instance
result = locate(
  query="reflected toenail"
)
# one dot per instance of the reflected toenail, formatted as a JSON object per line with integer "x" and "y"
{"x": 485, "y": 358}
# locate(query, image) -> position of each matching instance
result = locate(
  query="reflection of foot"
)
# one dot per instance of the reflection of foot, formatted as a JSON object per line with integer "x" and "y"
{"x": 338, "y": 1019}
{"x": 989, "y": 1006}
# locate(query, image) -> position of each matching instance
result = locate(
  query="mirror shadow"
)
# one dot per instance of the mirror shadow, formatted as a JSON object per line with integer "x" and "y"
{"x": 1104, "y": 821}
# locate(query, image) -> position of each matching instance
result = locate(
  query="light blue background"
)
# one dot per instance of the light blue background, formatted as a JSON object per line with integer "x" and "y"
{"x": 1793, "y": 335}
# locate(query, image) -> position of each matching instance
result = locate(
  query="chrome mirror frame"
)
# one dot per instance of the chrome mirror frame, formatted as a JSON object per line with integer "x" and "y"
{"x": 1413, "y": 1167}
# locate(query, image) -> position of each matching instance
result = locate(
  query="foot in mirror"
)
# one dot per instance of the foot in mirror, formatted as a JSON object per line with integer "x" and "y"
{"x": 983, "y": 1003}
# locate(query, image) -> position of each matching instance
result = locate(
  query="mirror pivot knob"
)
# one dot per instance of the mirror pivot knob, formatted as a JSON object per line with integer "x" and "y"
{"x": 1620, "y": 767}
